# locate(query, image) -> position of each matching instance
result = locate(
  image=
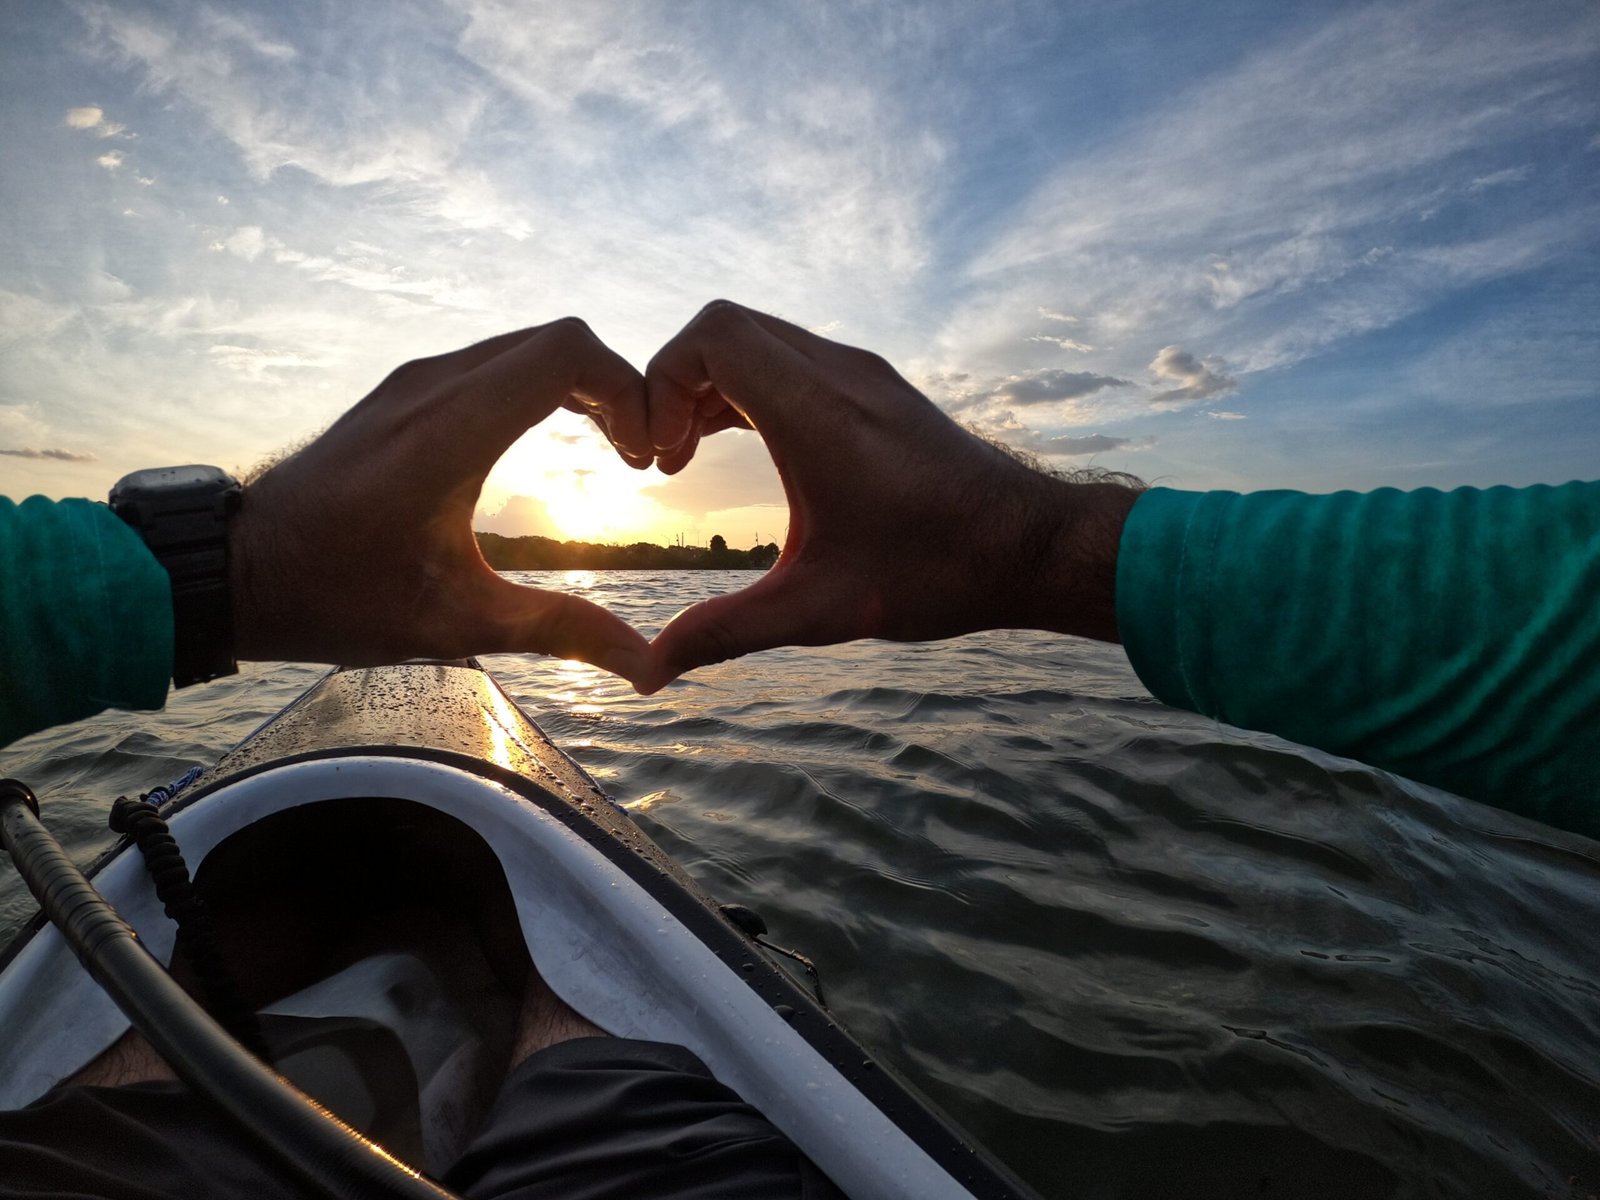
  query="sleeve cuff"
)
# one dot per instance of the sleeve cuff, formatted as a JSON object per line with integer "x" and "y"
{"x": 1154, "y": 573}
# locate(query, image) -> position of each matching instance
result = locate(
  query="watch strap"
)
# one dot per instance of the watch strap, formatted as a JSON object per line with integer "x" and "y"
{"x": 187, "y": 531}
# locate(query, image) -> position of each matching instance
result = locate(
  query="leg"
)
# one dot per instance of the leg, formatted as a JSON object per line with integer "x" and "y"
{"x": 615, "y": 1119}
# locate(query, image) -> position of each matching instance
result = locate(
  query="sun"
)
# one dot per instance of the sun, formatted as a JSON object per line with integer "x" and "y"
{"x": 600, "y": 504}
{"x": 566, "y": 483}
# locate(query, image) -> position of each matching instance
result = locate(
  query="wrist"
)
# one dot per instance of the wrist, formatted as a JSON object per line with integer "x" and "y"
{"x": 1075, "y": 589}
{"x": 250, "y": 554}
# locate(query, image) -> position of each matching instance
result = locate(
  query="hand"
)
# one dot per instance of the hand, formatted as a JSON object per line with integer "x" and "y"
{"x": 359, "y": 548}
{"x": 902, "y": 525}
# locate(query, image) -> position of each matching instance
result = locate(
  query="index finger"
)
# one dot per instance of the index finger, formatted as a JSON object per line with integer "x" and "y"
{"x": 562, "y": 363}
{"x": 729, "y": 361}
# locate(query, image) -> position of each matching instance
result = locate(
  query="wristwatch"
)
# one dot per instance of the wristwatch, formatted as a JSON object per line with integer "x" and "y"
{"x": 183, "y": 513}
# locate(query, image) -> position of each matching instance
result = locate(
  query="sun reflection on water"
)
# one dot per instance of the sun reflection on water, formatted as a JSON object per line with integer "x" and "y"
{"x": 573, "y": 683}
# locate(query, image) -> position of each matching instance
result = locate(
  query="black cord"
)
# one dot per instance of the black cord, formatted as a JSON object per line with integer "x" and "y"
{"x": 326, "y": 1154}
{"x": 197, "y": 932}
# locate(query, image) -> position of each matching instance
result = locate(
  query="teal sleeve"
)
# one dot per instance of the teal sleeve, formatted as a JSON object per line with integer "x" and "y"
{"x": 1451, "y": 637}
{"x": 85, "y": 616}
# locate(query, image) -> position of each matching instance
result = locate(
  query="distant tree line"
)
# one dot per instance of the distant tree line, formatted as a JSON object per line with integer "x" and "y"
{"x": 547, "y": 554}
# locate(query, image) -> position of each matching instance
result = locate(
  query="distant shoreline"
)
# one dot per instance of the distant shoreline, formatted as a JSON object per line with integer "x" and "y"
{"x": 546, "y": 554}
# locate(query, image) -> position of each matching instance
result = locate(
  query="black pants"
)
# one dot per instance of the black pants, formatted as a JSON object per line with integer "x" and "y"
{"x": 588, "y": 1119}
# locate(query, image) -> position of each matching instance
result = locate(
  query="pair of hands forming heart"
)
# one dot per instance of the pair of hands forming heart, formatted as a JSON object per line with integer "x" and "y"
{"x": 359, "y": 548}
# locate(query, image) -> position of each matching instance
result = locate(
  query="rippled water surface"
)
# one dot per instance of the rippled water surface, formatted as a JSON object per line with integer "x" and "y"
{"x": 1134, "y": 952}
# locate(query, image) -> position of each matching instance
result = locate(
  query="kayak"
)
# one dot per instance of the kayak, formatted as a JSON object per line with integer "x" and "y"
{"x": 385, "y": 859}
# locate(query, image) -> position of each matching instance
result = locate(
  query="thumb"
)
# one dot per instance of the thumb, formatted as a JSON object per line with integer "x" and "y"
{"x": 785, "y": 607}
{"x": 528, "y": 619}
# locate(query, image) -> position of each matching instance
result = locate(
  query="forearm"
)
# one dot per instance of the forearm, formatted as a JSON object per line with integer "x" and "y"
{"x": 1450, "y": 637}
{"x": 85, "y": 616}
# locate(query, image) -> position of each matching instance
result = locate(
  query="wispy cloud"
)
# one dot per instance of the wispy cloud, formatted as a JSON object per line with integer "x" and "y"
{"x": 787, "y": 180}
{"x": 1096, "y": 443}
{"x": 248, "y": 241}
{"x": 70, "y": 456}
{"x": 1062, "y": 342}
{"x": 349, "y": 128}
{"x": 259, "y": 363}
{"x": 637, "y": 171}
{"x": 30, "y": 319}
{"x": 1260, "y": 210}
{"x": 1007, "y": 427}
{"x": 1500, "y": 178}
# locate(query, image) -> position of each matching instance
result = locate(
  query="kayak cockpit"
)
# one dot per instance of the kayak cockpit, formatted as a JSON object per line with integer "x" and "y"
{"x": 378, "y": 938}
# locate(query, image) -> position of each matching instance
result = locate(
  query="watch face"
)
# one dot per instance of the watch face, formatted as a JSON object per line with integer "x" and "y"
{"x": 170, "y": 479}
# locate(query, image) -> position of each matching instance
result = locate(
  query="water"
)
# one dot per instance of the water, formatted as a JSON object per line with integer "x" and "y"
{"x": 1135, "y": 953}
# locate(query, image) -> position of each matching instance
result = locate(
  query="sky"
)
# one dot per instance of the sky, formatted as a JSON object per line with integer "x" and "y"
{"x": 1237, "y": 245}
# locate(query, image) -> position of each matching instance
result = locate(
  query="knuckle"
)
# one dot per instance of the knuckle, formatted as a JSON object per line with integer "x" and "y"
{"x": 411, "y": 374}
{"x": 716, "y": 642}
{"x": 868, "y": 360}
{"x": 719, "y": 312}
{"x": 570, "y": 333}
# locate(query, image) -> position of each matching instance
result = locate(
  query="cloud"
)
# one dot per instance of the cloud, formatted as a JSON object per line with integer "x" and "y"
{"x": 92, "y": 119}
{"x": 788, "y": 176}
{"x": 519, "y": 516}
{"x": 235, "y": 29}
{"x": 1196, "y": 380}
{"x": 803, "y": 183}
{"x": 104, "y": 288}
{"x": 374, "y": 120}
{"x": 1006, "y": 427}
{"x": 111, "y": 159}
{"x": 1243, "y": 209}
{"x": 257, "y": 363}
{"x": 58, "y": 455}
{"x": 1500, "y": 178}
{"x": 1226, "y": 416}
{"x": 30, "y": 320}
{"x": 1344, "y": 124}
{"x": 1048, "y": 386}
{"x": 788, "y": 168}
{"x": 1094, "y": 443}
{"x": 1064, "y": 343}
{"x": 248, "y": 241}
{"x": 958, "y": 392}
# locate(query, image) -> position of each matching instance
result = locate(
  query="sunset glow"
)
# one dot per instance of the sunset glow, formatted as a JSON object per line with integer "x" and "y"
{"x": 564, "y": 481}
